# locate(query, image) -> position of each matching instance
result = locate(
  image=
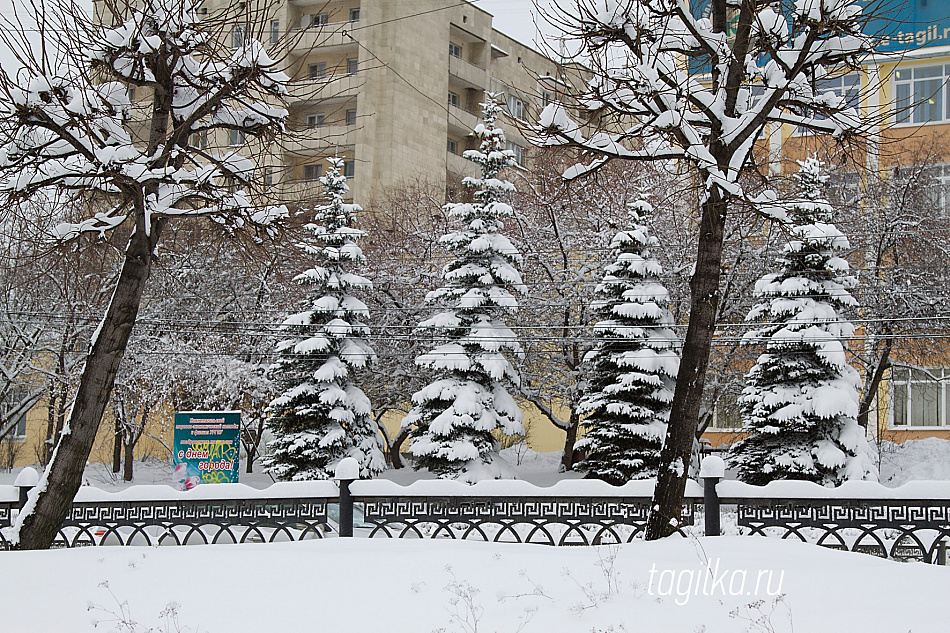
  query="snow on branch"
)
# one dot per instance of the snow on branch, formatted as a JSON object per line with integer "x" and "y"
{"x": 71, "y": 129}
{"x": 672, "y": 85}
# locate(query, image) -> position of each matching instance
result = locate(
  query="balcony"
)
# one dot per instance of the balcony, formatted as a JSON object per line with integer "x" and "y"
{"x": 462, "y": 122}
{"x": 340, "y": 86}
{"x": 319, "y": 140}
{"x": 458, "y": 166}
{"x": 303, "y": 191}
{"x": 470, "y": 75}
{"x": 303, "y": 41}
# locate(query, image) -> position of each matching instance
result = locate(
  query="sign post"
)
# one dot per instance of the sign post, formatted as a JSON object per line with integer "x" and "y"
{"x": 207, "y": 448}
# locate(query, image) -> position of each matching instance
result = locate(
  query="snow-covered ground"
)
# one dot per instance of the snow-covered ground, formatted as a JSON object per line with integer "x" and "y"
{"x": 411, "y": 586}
{"x": 915, "y": 460}
{"x": 687, "y": 585}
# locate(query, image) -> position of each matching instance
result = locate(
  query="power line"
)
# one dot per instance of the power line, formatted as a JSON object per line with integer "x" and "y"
{"x": 415, "y": 332}
{"x": 441, "y": 105}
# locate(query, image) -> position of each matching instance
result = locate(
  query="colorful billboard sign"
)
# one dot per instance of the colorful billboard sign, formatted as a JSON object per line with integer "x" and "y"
{"x": 909, "y": 24}
{"x": 898, "y": 25}
{"x": 207, "y": 448}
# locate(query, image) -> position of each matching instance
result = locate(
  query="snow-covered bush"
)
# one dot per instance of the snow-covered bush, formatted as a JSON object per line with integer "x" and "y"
{"x": 800, "y": 404}
{"x": 322, "y": 416}
{"x": 633, "y": 367}
{"x": 452, "y": 418}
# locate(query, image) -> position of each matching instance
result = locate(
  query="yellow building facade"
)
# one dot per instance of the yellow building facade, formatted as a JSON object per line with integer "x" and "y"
{"x": 903, "y": 96}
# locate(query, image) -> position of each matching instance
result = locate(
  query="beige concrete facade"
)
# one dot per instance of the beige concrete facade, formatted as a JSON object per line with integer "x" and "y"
{"x": 396, "y": 88}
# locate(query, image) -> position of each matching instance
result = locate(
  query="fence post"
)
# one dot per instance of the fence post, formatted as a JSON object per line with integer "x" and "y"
{"x": 26, "y": 480}
{"x": 712, "y": 469}
{"x": 347, "y": 471}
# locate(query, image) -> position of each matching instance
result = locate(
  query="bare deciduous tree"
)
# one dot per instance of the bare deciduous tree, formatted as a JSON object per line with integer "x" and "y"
{"x": 134, "y": 165}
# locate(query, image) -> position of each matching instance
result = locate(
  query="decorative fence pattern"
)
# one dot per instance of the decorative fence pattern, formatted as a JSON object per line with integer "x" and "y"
{"x": 186, "y": 522}
{"x": 902, "y": 529}
{"x": 542, "y": 520}
{"x": 908, "y": 523}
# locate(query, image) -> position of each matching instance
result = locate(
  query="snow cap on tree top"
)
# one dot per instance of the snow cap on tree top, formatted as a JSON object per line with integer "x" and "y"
{"x": 640, "y": 210}
{"x": 812, "y": 206}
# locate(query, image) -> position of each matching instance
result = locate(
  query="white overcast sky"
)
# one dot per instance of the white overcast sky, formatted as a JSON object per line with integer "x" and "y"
{"x": 515, "y": 18}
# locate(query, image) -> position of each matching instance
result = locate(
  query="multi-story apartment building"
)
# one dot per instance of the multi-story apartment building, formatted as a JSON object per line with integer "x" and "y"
{"x": 394, "y": 88}
{"x": 391, "y": 86}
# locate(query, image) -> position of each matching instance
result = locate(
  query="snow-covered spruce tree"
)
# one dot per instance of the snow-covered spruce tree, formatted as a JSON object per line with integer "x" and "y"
{"x": 321, "y": 416}
{"x": 632, "y": 368}
{"x": 133, "y": 165}
{"x": 452, "y": 418}
{"x": 800, "y": 404}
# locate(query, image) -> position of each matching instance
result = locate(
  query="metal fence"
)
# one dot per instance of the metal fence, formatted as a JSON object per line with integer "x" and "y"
{"x": 904, "y": 529}
{"x": 570, "y": 513}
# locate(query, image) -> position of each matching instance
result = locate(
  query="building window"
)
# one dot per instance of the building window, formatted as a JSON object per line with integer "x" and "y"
{"x": 354, "y": 15}
{"x": 315, "y": 120}
{"x": 349, "y": 168}
{"x": 237, "y": 37}
{"x": 235, "y": 137}
{"x": 520, "y": 153}
{"x": 200, "y": 139}
{"x": 20, "y": 426}
{"x": 844, "y": 187}
{"x": 317, "y": 71}
{"x": 933, "y": 183}
{"x": 274, "y": 31}
{"x": 268, "y": 176}
{"x": 312, "y": 172}
{"x": 939, "y": 188}
{"x": 920, "y": 396}
{"x": 352, "y": 65}
{"x": 516, "y": 107}
{"x": 455, "y": 50}
{"x": 547, "y": 97}
{"x": 132, "y": 94}
{"x": 452, "y": 146}
{"x": 19, "y": 432}
{"x": 726, "y": 415}
{"x": 15, "y": 398}
{"x": 454, "y": 100}
{"x": 848, "y": 87}
{"x": 351, "y": 117}
{"x": 315, "y": 19}
{"x": 919, "y": 94}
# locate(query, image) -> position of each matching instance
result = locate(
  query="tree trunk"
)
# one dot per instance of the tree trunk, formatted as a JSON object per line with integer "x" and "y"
{"x": 117, "y": 448}
{"x": 39, "y": 524}
{"x": 567, "y": 460}
{"x": 50, "y": 438}
{"x": 129, "y": 459}
{"x": 394, "y": 457}
{"x": 667, "y": 505}
{"x": 251, "y": 439}
{"x": 874, "y": 382}
{"x": 250, "y": 448}
{"x": 251, "y": 454}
